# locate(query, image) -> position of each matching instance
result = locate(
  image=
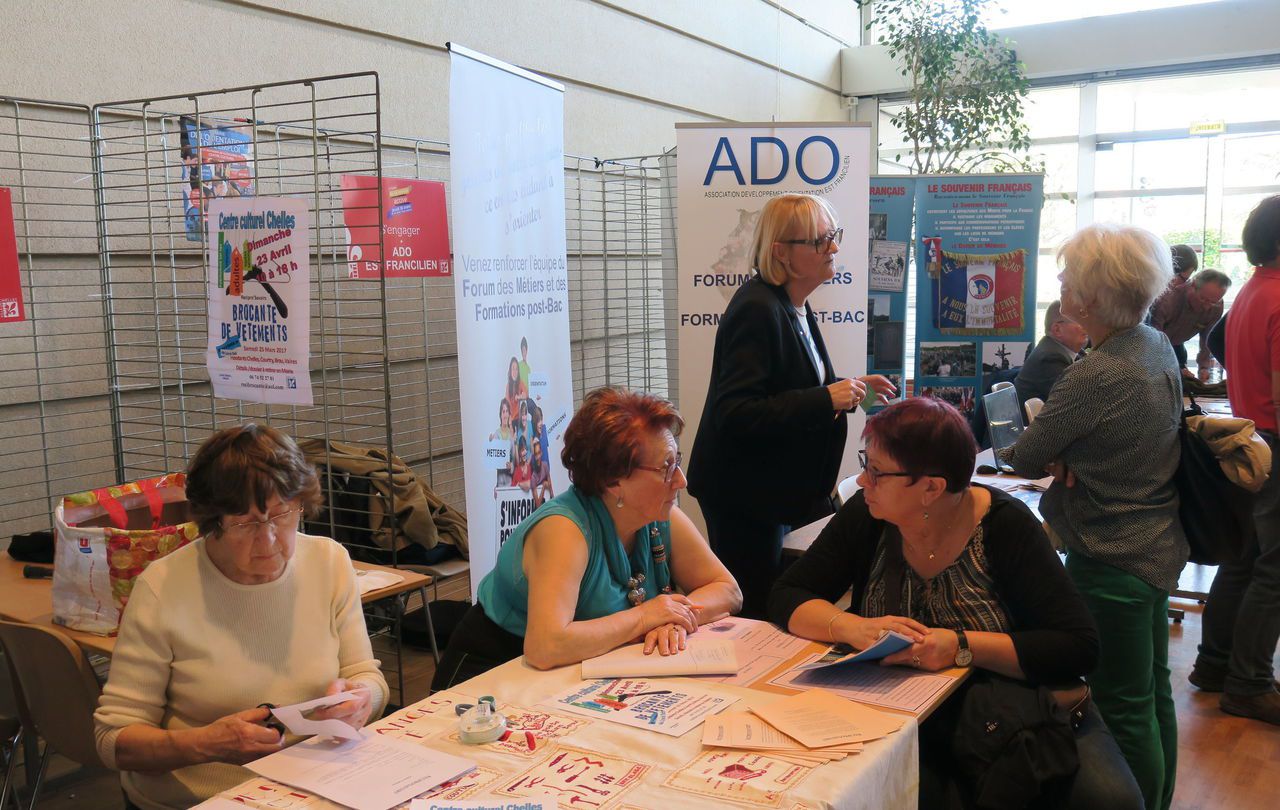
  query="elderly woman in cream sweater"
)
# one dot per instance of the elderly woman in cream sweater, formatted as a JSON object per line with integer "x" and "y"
{"x": 253, "y": 612}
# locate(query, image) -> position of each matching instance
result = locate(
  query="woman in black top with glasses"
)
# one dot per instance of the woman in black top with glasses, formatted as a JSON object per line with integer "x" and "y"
{"x": 773, "y": 428}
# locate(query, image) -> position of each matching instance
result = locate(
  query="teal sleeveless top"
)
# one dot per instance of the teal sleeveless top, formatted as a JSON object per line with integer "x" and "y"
{"x": 504, "y": 592}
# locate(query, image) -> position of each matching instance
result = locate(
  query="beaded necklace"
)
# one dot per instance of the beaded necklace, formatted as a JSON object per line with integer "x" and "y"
{"x": 635, "y": 590}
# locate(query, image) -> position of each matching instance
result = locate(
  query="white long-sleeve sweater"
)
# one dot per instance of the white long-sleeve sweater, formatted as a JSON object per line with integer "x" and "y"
{"x": 195, "y": 646}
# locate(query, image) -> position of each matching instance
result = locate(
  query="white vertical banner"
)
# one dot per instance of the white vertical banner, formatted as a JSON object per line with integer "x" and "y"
{"x": 506, "y": 164}
{"x": 725, "y": 175}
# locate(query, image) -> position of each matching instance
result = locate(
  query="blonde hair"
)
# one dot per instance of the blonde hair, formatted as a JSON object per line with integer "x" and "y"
{"x": 1115, "y": 271}
{"x": 789, "y": 216}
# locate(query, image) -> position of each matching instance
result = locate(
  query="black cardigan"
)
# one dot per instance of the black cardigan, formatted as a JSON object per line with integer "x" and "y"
{"x": 769, "y": 444}
{"x": 1053, "y": 633}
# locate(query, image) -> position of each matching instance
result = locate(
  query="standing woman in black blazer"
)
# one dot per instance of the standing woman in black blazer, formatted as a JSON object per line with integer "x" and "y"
{"x": 773, "y": 428}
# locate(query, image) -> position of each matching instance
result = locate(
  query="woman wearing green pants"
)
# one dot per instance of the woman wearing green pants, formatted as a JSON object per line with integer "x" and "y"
{"x": 1109, "y": 436}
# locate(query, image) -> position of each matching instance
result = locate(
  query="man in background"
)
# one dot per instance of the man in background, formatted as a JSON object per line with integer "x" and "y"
{"x": 1192, "y": 309}
{"x": 1063, "y": 340}
{"x": 1242, "y": 615}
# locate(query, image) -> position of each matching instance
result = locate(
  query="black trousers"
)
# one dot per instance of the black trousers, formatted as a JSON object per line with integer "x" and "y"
{"x": 752, "y": 551}
{"x": 477, "y": 645}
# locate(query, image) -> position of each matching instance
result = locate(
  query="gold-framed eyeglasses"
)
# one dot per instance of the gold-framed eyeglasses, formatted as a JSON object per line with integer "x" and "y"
{"x": 668, "y": 470}
{"x": 275, "y": 525}
{"x": 822, "y": 244}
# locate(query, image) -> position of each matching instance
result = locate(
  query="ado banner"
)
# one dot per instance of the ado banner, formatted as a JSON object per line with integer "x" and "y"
{"x": 511, "y": 289}
{"x": 259, "y": 300}
{"x": 414, "y": 226}
{"x": 978, "y": 236}
{"x": 725, "y": 176}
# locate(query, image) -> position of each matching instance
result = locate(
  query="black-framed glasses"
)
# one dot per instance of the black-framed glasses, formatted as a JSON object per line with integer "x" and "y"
{"x": 822, "y": 244}
{"x": 875, "y": 475}
{"x": 668, "y": 470}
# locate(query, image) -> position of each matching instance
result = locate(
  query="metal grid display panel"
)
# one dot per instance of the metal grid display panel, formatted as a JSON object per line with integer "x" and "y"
{"x": 55, "y": 421}
{"x": 304, "y": 137}
{"x": 619, "y": 284}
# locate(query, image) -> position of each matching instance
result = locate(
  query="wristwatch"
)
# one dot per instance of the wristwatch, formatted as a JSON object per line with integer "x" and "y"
{"x": 964, "y": 656}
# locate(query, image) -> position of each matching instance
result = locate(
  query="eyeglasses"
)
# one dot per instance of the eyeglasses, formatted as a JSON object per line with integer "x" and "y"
{"x": 275, "y": 525}
{"x": 668, "y": 470}
{"x": 874, "y": 475}
{"x": 822, "y": 244}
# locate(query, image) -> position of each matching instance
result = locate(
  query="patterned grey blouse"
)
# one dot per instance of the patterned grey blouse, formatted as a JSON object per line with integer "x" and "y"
{"x": 961, "y": 595}
{"x": 1113, "y": 418}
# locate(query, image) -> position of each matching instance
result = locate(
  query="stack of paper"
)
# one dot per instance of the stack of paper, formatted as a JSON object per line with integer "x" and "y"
{"x": 701, "y": 656}
{"x": 809, "y": 729}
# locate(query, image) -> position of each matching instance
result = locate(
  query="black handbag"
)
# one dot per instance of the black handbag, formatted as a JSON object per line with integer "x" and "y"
{"x": 1011, "y": 739}
{"x": 1216, "y": 514}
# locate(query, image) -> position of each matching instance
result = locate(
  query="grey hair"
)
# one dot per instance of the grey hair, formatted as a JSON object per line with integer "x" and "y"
{"x": 1115, "y": 271}
{"x": 1211, "y": 277}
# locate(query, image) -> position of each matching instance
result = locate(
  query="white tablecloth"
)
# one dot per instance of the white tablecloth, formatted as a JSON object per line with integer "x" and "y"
{"x": 884, "y": 775}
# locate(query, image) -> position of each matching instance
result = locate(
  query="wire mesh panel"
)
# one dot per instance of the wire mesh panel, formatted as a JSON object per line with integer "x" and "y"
{"x": 157, "y": 172}
{"x": 55, "y": 421}
{"x": 614, "y": 217}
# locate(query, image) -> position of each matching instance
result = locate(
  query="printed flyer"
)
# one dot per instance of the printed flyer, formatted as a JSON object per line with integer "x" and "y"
{"x": 415, "y": 227}
{"x": 216, "y": 164}
{"x": 667, "y": 707}
{"x": 259, "y": 346}
{"x": 738, "y": 776}
{"x": 11, "y": 308}
{"x": 976, "y": 249}
{"x": 892, "y": 217}
{"x": 576, "y": 777}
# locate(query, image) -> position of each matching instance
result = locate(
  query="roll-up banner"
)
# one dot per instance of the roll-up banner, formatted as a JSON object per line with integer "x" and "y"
{"x": 977, "y": 241}
{"x": 726, "y": 173}
{"x": 889, "y": 235}
{"x": 506, "y": 130}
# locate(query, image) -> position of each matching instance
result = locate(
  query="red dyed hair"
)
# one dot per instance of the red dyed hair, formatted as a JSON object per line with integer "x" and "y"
{"x": 603, "y": 442}
{"x": 925, "y": 436}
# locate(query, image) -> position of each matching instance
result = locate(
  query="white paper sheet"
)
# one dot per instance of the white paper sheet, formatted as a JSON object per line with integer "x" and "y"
{"x": 701, "y": 656}
{"x": 761, "y": 645}
{"x": 371, "y": 773}
{"x": 295, "y": 717}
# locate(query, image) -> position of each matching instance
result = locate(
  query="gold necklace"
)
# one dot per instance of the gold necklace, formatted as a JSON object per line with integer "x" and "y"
{"x": 932, "y": 554}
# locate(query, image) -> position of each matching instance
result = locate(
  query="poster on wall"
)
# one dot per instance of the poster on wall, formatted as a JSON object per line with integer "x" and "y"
{"x": 892, "y": 215}
{"x": 216, "y": 164}
{"x": 977, "y": 241}
{"x": 415, "y": 227}
{"x": 506, "y": 127}
{"x": 259, "y": 290}
{"x": 11, "y": 308}
{"x": 726, "y": 173}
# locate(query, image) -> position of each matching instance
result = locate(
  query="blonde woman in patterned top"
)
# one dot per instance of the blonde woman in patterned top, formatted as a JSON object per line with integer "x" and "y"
{"x": 963, "y": 570}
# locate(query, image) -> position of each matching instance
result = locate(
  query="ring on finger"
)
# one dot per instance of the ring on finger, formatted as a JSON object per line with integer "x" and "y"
{"x": 915, "y": 661}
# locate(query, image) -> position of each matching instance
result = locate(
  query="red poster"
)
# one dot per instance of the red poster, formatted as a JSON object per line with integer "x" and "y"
{"x": 11, "y": 308}
{"x": 414, "y": 225}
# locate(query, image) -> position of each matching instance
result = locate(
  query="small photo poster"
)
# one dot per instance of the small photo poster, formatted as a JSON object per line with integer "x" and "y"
{"x": 11, "y": 308}
{"x": 415, "y": 228}
{"x": 1004, "y": 355}
{"x": 888, "y": 266}
{"x": 948, "y": 359}
{"x": 961, "y": 396}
